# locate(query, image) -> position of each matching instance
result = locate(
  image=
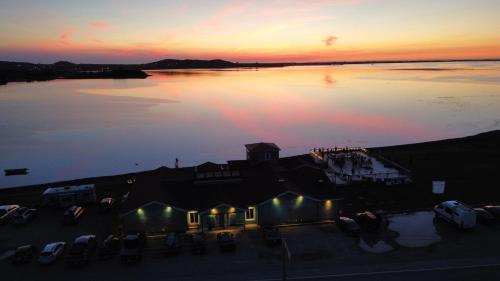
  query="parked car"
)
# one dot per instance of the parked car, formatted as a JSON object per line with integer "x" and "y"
{"x": 368, "y": 221}
{"x": 133, "y": 245}
{"x": 24, "y": 254}
{"x": 73, "y": 214}
{"x": 83, "y": 247}
{"x": 226, "y": 241}
{"x": 106, "y": 205}
{"x": 349, "y": 226}
{"x": 484, "y": 216}
{"x": 172, "y": 244}
{"x": 110, "y": 247}
{"x": 272, "y": 235}
{"x": 6, "y": 211}
{"x": 23, "y": 215}
{"x": 51, "y": 252}
{"x": 456, "y": 213}
{"x": 494, "y": 210}
{"x": 198, "y": 244}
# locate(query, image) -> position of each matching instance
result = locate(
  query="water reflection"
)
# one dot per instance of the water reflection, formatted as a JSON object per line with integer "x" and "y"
{"x": 69, "y": 129}
{"x": 415, "y": 229}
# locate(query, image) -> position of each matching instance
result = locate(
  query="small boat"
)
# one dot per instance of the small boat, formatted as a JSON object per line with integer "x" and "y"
{"x": 15, "y": 172}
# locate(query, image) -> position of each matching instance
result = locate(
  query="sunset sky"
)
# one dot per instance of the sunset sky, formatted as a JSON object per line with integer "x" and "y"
{"x": 120, "y": 31}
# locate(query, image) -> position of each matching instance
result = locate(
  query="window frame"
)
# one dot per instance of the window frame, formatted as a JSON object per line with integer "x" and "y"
{"x": 193, "y": 217}
{"x": 250, "y": 211}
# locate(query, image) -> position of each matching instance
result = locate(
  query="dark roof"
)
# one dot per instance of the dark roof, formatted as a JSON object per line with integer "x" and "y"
{"x": 262, "y": 147}
{"x": 257, "y": 184}
{"x": 210, "y": 167}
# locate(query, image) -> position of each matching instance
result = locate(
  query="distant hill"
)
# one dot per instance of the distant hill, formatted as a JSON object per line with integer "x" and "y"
{"x": 28, "y": 72}
{"x": 172, "y": 63}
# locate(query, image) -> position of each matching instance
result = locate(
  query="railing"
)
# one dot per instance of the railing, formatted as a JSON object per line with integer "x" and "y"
{"x": 322, "y": 152}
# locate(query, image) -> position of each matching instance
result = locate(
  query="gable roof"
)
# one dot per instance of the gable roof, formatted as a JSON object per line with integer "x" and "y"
{"x": 153, "y": 203}
{"x": 210, "y": 167}
{"x": 262, "y": 147}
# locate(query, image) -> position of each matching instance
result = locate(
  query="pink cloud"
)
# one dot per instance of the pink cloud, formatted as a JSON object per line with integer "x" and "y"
{"x": 99, "y": 24}
{"x": 227, "y": 10}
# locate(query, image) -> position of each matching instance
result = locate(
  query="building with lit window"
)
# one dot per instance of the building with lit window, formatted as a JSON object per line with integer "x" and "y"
{"x": 292, "y": 190}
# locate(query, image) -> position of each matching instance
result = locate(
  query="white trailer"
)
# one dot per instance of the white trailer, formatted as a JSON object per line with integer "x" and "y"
{"x": 69, "y": 195}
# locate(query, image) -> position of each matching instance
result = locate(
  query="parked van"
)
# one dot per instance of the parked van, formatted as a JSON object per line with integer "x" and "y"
{"x": 69, "y": 195}
{"x": 457, "y": 213}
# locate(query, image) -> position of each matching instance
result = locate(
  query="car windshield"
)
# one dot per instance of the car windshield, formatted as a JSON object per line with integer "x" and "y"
{"x": 45, "y": 254}
{"x": 351, "y": 224}
{"x": 80, "y": 245}
{"x": 131, "y": 243}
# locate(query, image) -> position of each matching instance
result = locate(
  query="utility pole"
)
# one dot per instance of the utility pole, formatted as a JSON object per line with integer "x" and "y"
{"x": 285, "y": 254}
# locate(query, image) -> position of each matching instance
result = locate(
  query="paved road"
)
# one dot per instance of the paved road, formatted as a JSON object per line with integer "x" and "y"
{"x": 482, "y": 272}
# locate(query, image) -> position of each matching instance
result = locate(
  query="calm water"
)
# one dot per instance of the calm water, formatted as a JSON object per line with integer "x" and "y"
{"x": 78, "y": 128}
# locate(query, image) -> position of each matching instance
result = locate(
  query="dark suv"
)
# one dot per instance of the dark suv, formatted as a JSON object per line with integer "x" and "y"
{"x": 24, "y": 254}
{"x": 83, "y": 247}
{"x": 131, "y": 251}
{"x": 172, "y": 244}
{"x": 226, "y": 241}
{"x": 272, "y": 235}
{"x": 110, "y": 247}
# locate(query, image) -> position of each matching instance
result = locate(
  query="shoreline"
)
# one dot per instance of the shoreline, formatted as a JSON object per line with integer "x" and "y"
{"x": 458, "y": 161}
{"x": 30, "y": 72}
{"x": 379, "y": 149}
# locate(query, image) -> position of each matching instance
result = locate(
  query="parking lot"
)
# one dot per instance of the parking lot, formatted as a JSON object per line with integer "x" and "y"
{"x": 401, "y": 238}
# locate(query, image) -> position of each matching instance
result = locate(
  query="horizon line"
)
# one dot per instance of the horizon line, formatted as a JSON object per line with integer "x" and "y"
{"x": 280, "y": 62}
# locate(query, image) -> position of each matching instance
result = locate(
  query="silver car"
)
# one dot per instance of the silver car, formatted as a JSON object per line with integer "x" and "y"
{"x": 51, "y": 252}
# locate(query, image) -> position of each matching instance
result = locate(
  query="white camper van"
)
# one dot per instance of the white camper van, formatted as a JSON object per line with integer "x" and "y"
{"x": 457, "y": 213}
{"x": 69, "y": 195}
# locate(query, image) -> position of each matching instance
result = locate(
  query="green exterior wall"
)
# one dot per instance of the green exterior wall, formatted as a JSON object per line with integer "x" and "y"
{"x": 155, "y": 218}
{"x": 291, "y": 208}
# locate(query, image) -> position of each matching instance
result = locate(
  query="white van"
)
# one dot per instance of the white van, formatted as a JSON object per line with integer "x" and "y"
{"x": 457, "y": 213}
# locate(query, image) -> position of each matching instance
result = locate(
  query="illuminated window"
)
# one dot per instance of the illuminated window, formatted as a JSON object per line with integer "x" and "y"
{"x": 250, "y": 213}
{"x": 193, "y": 217}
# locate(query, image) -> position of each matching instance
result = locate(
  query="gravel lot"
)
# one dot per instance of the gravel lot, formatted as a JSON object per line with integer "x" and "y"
{"x": 311, "y": 246}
